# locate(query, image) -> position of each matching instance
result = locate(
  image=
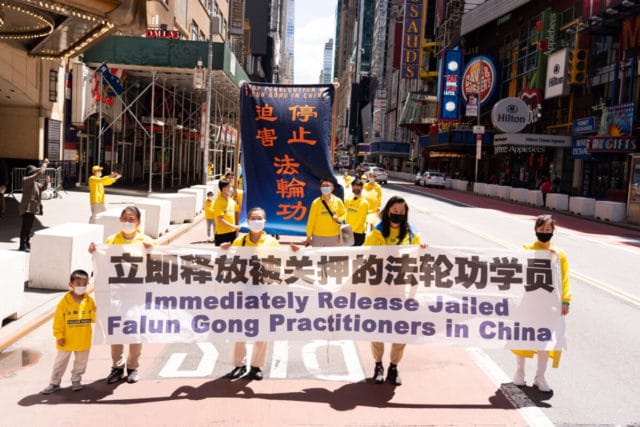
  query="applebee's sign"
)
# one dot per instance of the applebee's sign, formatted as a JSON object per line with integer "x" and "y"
{"x": 510, "y": 115}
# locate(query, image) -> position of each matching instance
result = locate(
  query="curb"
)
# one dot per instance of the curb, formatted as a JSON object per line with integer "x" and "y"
{"x": 49, "y": 312}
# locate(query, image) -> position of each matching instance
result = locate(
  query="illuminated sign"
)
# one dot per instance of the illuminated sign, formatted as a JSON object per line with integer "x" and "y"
{"x": 449, "y": 108}
{"x": 155, "y": 33}
{"x": 472, "y": 76}
{"x": 412, "y": 38}
{"x": 510, "y": 115}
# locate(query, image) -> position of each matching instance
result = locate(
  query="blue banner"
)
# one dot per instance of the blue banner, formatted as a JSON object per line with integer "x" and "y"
{"x": 285, "y": 134}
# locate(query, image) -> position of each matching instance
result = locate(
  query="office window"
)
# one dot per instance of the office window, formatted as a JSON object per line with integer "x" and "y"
{"x": 194, "y": 30}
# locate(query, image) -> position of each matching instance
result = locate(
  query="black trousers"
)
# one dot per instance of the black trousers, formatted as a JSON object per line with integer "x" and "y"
{"x": 358, "y": 239}
{"x": 25, "y": 230}
{"x": 223, "y": 238}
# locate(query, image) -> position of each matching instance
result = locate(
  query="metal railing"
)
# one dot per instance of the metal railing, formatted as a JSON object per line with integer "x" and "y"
{"x": 54, "y": 173}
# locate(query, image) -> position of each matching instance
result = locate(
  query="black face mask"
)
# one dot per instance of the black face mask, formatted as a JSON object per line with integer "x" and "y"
{"x": 396, "y": 218}
{"x": 544, "y": 237}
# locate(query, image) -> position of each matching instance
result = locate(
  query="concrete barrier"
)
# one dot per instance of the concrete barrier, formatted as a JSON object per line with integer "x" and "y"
{"x": 13, "y": 265}
{"x": 504, "y": 192}
{"x": 205, "y": 189}
{"x": 480, "y": 188}
{"x": 200, "y": 197}
{"x": 492, "y": 190}
{"x": 558, "y": 201}
{"x": 110, "y": 220}
{"x": 157, "y": 215}
{"x": 610, "y": 211}
{"x": 584, "y": 206}
{"x": 534, "y": 197}
{"x": 183, "y": 205}
{"x": 57, "y": 251}
{"x": 520, "y": 195}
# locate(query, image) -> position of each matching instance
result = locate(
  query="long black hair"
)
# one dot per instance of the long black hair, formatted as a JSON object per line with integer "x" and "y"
{"x": 386, "y": 222}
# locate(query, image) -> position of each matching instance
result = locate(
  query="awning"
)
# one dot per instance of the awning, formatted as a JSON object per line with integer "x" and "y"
{"x": 396, "y": 149}
{"x": 420, "y": 111}
{"x": 456, "y": 140}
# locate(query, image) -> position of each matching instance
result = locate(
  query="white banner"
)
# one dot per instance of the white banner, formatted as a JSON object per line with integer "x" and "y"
{"x": 467, "y": 297}
{"x": 556, "y": 82}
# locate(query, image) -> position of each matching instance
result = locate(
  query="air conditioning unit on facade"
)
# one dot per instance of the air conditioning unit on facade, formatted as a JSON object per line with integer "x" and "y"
{"x": 216, "y": 26}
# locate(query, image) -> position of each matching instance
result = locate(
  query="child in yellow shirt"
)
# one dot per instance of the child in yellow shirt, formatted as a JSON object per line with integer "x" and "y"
{"x": 209, "y": 215}
{"x": 73, "y": 328}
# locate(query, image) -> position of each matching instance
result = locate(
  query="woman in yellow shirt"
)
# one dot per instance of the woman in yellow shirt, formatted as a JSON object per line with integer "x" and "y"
{"x": 544, "y": 228}
{"x": 393, "y": 229}
{"x": 129, "y": 234}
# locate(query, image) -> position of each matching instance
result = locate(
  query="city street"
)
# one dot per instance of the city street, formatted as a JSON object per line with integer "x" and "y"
{"x": 319, "y": 383}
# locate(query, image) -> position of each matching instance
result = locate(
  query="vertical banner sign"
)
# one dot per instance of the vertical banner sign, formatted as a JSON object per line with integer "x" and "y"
{"x": 549, "y": 26}
{"x": 450, "y": 86}
{"x": 479, "y": 83}
{"x": 411, "y": 38}
{"x": 286, "y": 132}
{"x": 236, "y": 18}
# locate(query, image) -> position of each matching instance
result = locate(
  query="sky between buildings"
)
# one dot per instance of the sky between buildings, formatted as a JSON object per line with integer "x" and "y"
{"x": 315, "y": 25}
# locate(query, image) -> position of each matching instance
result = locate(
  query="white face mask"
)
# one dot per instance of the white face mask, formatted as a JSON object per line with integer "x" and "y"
{"x": 79, "y": 290}
{"x": 256, "y": 225}
{"x": 99, "y": 174}
{"x": 128, "y": 227}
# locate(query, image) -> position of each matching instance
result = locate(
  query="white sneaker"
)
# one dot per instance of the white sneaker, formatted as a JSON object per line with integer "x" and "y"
{"x": 518, "y": 378}
{"x": 541, "y": 383}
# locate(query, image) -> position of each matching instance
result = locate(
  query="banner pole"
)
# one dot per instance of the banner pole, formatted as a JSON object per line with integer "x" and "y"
{"x": 332, "y": 149}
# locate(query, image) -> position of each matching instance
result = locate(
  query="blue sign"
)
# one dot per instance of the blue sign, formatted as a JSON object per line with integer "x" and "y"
{"x": 580, "y": 148}
{"x": 286, "y": 131}
{"x": 449, "y": 107}
{"x": 586, "y": 126}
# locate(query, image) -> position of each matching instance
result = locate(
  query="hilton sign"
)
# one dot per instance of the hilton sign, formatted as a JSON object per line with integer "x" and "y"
{"x": 510, "y": 115}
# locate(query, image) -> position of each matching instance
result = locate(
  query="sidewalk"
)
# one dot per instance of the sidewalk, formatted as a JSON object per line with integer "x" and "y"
{"x": 72, "y": 206}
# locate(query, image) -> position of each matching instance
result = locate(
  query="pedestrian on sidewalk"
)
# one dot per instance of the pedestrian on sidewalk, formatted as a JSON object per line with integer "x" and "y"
{"x": 4, "y": 182}
{"x": 357, "y": 209}
{"x": 544, "y": 228}
{"x": 224, "y": 211}
{"x": 72, "y": 328}
{"x": 129, "y": 234}
{"x": 256, "y": 219}
{"x": 31, "y": 201}
{"x": 393, "y": 229}
{"x": 209, "y": 216}
{"x": 325, "y": 217}
{"x": 96, "y": 190}
{"x": 545, "y": 188}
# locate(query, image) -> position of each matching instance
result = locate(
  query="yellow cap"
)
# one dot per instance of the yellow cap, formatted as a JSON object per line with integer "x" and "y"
{"x": 96, "y": 168}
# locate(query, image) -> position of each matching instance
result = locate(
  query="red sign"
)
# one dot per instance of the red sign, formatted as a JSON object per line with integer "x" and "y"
{"x": 472, "y": 76}
{"x": 153, "y": 33}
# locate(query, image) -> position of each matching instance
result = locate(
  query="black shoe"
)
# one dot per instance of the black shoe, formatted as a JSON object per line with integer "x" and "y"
{"x": 23, "y": 249}
{"x": 256, "y": 373}
{"x": 378, "y": 374}
{"x": 116, "y": 375}
{"x": 237, "y": 372}
{"x": 132, "y": 376}
{"x": 393, "y": 377}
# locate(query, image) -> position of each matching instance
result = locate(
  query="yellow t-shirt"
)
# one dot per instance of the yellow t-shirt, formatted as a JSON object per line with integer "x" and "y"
{"x": 373, "y": 193}
{"x": 320, "y": 222}
{"x": 564, "y": 267}
{"x": 225, "y": 208}
{"x": 73, "y": 322}
{"x": 119, "y": 239}
{"x": 208, "y": 209}
{"x": 357, "y": 209}
{"x": 96, "y": 188}
{"x": 265, "y": 240}
{"x": 375, "y": 238}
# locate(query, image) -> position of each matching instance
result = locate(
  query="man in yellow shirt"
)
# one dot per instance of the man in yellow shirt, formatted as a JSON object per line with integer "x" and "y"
{"x": 373, "y": 193}
{"x": 325, "y": 217}
{"x": 224, "y": 211}
{"x": 96, "y": 190}
{"x": 209, "y": 215}
{"x": 357, "y": 208}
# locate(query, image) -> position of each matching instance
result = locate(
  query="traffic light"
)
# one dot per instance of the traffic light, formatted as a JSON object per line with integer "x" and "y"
{"x": 578, "y": 66}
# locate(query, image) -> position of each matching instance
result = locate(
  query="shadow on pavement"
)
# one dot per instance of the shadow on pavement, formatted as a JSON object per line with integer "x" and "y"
{"x": 346, "y": 397}
{"x": 536, "y": 396}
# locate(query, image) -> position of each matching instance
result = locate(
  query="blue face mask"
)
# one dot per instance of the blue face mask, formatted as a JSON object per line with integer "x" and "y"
{"x": 230, "y": 191}
{"x": 325, "y": 190}
{"x": 357, "y": 191}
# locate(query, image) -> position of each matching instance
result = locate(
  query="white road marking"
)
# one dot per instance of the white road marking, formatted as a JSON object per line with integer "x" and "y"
{"x": 171, "y": 369}
{"x": 279, "y": 359}
{"x": 529, "y": 411}
{"x": 351, "y": 359}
